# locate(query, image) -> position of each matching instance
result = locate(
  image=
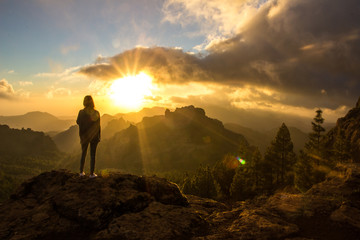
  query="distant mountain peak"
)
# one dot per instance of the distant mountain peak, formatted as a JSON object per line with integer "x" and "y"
{"x": 37, "y": 112}
{"x": 190, "y": 110}
{"x": 36, "y": 120}
{"x": 40, "y": 114}
{"x": 187, "y": 111}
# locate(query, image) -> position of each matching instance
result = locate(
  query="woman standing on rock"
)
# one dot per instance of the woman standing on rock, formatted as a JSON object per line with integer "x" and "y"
{"x": 89, "y": 130}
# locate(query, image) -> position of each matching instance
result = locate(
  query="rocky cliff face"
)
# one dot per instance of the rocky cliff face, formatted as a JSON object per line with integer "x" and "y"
{"x": 349, "y": 125}
{"x": 61, "y": 205}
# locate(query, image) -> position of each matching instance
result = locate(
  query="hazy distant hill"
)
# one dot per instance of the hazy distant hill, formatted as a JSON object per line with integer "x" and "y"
{"x": 37, "y": 121}
{"x": 133, "y": 117}
{"x": 262, "y": 139}
{"x": 68, "y": 140}
{"x": 112, "y": 127}
{"x": 136, "y": 117}
{"x": 262, "y": 120}
{"x": 178, "y": 140}
{"x": 105, "y": 118}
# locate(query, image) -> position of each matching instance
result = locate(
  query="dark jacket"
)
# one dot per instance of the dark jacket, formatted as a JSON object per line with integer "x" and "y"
{"x": 89, "y": 125}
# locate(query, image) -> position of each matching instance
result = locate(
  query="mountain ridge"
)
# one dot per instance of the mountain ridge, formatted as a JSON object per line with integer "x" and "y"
{"x": 37, "y": 121}
{"x": 181, "y": 139}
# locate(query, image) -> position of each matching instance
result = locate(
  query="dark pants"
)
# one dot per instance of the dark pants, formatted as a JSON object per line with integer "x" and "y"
{"x": 84, "y": 147}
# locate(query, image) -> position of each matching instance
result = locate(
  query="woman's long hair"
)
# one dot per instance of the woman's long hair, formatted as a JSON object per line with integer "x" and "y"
{"x": 88, "y": 102}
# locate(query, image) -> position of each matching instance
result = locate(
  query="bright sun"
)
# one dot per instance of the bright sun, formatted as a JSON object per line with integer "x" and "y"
{"x": 129, "y": 92}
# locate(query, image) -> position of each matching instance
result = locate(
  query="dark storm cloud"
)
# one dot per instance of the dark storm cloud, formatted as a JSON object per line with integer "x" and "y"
{"x": 300, "y": 48}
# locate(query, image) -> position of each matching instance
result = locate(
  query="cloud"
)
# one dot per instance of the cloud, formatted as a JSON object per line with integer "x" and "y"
{"x": 297, "y": 47}
{"x": 65, "y": 75}
{"x": 11, "y": 72}
{"x": 305, "y": 52}
{"x": 25, "y": 83}
{"x": 66, "y": 49}
{"x": 215, "y": 19}
{"x": 153, "y": 98}
{"x": 57, "y": 92}
{"x": 167, "y": 65}
{"x": 6, "y": 90}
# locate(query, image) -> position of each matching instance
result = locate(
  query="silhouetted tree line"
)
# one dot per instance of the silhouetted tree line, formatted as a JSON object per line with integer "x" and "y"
{"x": 279, "y": 168}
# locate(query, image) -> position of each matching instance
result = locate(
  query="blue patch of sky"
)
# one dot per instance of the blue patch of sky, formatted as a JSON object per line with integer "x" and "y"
{"x": 32, "y": 33}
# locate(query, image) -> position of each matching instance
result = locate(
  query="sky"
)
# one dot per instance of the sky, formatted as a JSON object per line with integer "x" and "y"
{"x": 277, "y": 56}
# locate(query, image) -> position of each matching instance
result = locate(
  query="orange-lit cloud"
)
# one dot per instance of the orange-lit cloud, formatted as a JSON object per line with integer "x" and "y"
{"x": 63, "y": 75}
{"x": 57, "y": 92}
{"x": 25, "y": 83}
{"x": 6, "y": 90}
{"x": 166, "y": 65}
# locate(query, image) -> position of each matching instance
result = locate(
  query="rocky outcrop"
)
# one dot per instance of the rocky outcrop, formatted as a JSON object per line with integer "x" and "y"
{"x": 180, "y": 140}
{"x": 348, "y": 129}
{"x": 61, "y": 205}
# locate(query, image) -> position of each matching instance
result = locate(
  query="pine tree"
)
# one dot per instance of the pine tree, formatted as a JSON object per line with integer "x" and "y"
{"x": 308, "y": 169}
{"x": 241, "y": 186}
{"x": 284, "y": 149}
{"x": 268, "y": 168}
{"x": 256, "y": 167}
{"x": 224, "y": 172}
{"x": 314, "y": 146}
{"x": 280, "y": 157}
{"x": 200, "y": 184}
{"x": 204, "y": 183}
{"x": 247, "y": 176}
{"x": 303, "y": 172}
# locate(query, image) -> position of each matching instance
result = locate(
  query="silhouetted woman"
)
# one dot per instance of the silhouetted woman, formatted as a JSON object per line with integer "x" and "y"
{"x": 89, "y": 131}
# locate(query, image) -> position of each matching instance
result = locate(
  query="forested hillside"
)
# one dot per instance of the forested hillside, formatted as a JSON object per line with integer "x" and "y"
{"x": 23, "y": 154}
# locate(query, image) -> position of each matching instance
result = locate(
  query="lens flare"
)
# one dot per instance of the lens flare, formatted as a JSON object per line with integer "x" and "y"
{"x": 242, "y": 161}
